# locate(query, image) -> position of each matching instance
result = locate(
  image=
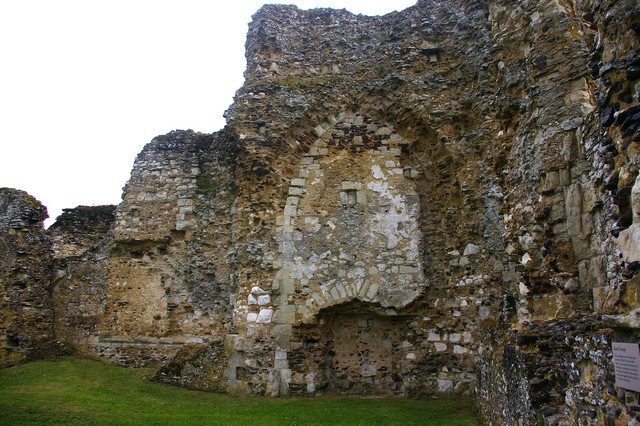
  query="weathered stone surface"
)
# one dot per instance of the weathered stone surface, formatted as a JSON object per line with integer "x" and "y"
{"x": 197, "y": 366}
{"x": 79, "y": 229}
{"x": 629, "y": 243}
{"x": 26, "y": 310}
{"x": 442, "y": 199}
{"x": 170, "y": 264}
{"x": 80, "y": 242}
{"x": 558, "y": 370}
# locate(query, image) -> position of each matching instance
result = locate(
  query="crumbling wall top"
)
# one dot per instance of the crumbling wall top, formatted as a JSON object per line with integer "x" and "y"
{"x": 20, "y": 210}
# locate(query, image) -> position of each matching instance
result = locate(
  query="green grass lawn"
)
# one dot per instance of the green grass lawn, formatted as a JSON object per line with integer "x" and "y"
{"x": 83, "y": 392}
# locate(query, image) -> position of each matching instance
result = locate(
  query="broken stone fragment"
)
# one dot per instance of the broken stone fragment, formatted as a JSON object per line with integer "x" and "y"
{"x": 607, "y": 117}
{"x": 264, "y": 316}
{"x": 471, "y": 249}
{"x": 570, "y": 286}
{"x": 526, "y": 260}
{"x": 630, "y": 319}
{"x": 629, "y": 243}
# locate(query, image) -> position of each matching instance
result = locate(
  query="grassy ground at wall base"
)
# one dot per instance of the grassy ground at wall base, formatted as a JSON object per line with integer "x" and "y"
{"x": 83, "y": 392}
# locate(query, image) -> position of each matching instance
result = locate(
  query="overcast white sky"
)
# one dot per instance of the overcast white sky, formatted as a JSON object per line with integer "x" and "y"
{"x": 85, "y": 84}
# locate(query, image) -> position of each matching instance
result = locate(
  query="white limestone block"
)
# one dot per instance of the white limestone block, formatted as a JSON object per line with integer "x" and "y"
{"x": 318, "y": 299}
{"x": 445, "y": 385}
{"x": 264, "y": 317}
{"x": 458, "y": 350}
{"x": 455, "y": 337}
{"x": 377, "y": 172}
{"x": 311, "y": 387}
{"x": 635, "y": 200}
{"x": 629, "y": 243}
{"x": 290, "y": 211}
{"x": 281, "y": 364}
{"x": 368, "y": 370}
{"x": 373, "y": 290}
{"x": 440, "y": 347}
{"x": 471, "y": 249}
{"x": 346, "y": 185}
{"x": 404, "y": 269}
{"x": 433, "y": 337}
{"x": 361, "y": 197}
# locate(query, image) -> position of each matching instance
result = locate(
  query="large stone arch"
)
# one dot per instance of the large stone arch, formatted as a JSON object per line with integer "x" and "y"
{"x": 349, "y": 233}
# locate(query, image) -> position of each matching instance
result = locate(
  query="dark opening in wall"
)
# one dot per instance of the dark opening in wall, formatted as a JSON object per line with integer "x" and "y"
{"x": 13, "y": 341}
{"x": 432, "y": 52}
{"x": 356, "y": 349}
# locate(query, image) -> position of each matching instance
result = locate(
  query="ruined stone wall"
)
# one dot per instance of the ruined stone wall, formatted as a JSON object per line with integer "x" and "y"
{"x": 438, "y": 200}
{"x": 26, "y": 311}
{"x": 80, "y": 245}
{"x": 555, "y": 372}
{"x": 351, "y": 133}
{"x": 361, "y": 126}
{"x": 484, "y": 122}
{"x": 430, "y": 178}
{"x": 568, "y": 74}
{"x": 170, "y": 277}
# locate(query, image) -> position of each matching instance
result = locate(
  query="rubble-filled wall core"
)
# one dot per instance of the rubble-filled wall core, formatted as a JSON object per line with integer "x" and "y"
{"x": 348, "y": 232}
{"x": 80, "y": 246}
{"x": 170, "y": 278}
{"x": 443, "y": 199}
{"x": 26, "y": 311}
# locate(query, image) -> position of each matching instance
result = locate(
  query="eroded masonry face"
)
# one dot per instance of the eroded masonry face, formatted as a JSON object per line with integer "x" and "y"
{"x": 444, "y": 199}
{"x": 353, "y": 349}
{"x": 348, "y": 234}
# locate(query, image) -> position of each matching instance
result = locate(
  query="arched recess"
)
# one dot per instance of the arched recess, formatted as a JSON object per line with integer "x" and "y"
{"x": 349, "y": 232}
{"x": 354, "y": 348}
